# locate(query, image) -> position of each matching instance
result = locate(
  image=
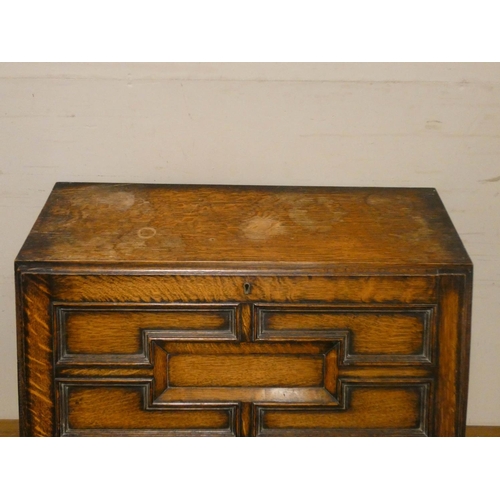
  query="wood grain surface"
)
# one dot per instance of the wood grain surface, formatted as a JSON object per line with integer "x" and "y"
{"x": 243, "y": 311}
{"x": 222, "y": 224}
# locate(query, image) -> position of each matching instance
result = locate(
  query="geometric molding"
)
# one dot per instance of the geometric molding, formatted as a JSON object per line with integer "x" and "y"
{"x": 205, "y": 372}
{"x": 229, "y": 369}
{"x": 117, "y": 407}
{"x": 104, "y": 407}
{"x": 366, "y": 408}
{"x": 369, "y": 335}
{"x": 111, "y": 334}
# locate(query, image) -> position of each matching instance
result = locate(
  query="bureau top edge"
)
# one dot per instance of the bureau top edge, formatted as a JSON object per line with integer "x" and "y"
{"x": 233, "y": 269}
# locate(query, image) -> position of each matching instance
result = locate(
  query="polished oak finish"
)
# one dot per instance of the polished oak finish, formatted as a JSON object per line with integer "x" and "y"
{"x": 164, "y": 310}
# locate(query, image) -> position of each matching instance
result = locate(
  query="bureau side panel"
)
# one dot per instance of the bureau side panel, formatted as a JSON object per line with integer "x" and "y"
{"x": 35, "y": 356}
{"x": 453, "y": 354}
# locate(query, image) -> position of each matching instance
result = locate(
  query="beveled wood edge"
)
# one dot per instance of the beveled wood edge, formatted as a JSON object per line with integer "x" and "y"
{"x": 236, "y": 268}
{"x": 10, "y": 428}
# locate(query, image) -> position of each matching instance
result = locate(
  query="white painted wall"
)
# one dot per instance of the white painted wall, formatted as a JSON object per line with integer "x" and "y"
{"x": 314, "y": 124}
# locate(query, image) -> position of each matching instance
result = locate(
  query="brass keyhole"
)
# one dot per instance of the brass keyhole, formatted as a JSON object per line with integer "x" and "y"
{"x": 247, "y": 287}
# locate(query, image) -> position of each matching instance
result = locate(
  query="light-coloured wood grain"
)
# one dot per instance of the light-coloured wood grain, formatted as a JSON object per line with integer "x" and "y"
{"x": 245, "y": 370}
{"x": 367, "y": 409}
{"x": 367, "y": 289}
{"x": 250, "y": 395}
{"x": 37, "y": 385}
{"x": 370, "y": 332}
{"x": 122, "y": 409}
{"x": 120, "y": 330}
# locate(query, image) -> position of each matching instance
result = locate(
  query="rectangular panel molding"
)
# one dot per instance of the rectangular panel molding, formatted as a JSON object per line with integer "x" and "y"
{"x": 110, "y": 334}
{"x": 371, "y": 335}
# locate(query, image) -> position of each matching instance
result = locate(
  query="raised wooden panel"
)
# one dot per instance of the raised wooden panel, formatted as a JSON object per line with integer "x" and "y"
{"x": 372, "y": 335}
{"x": 104, "y": 407}
{"x": 364, "y": 409}
{"x": 111, "y": 334}
{"x": 296, "y": 359}
{"x": 247, "y": 371}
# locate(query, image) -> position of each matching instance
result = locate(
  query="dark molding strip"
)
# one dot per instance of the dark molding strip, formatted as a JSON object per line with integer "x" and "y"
{"x": 10, "y": 428}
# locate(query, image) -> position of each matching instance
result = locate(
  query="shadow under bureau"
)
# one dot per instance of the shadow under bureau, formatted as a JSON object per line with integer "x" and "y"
{"x": 172, "y": 310}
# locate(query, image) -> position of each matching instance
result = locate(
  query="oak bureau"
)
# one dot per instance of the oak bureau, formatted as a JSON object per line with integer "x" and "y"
{"x": 174, "y": 310}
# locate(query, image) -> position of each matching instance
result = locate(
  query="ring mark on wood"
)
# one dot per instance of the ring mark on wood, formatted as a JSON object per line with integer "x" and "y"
{"x": 146, "y": 232}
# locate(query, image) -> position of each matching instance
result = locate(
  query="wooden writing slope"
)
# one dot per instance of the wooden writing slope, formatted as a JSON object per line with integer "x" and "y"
{"x": 243, "y": 311}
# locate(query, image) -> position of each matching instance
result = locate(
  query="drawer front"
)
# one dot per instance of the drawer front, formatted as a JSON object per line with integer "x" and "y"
{"x": 216, "y": 289}
{"x": 124, "y": 408}
{"x": 368, "y": 334}
{"x": 236, "y": 355}
{"x": 376, "y": 409}
{"x": 110, "y": 334}
{"x": 114, "y": 407}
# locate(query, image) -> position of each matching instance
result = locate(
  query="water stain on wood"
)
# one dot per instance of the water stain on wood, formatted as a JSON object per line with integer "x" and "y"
{"x": 262, "y": 227}
{"x": 121, "y": 200}
{"x": 109, "y": 222}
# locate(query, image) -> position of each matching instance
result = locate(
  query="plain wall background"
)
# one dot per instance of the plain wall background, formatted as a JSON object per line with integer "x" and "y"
{"x": 345, "y": 124}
